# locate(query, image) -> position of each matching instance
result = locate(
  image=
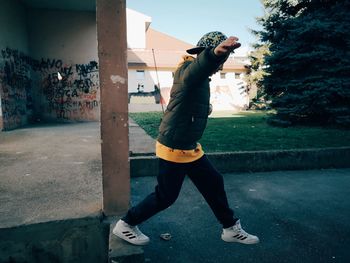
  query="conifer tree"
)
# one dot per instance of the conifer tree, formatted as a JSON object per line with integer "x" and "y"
{"x": 256, "y": 73}
{"x": 308, "y": 69}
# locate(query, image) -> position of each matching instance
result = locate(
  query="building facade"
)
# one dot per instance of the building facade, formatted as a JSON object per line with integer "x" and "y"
{"x": 153, "y": 65}
{"x": 49, "y": 65}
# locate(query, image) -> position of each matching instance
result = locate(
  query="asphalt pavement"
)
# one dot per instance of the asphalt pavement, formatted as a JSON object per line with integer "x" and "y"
{"x": 299, "y": 216}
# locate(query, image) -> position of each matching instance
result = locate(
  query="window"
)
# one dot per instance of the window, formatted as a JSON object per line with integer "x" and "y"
{"x": 237, "y": 76}
{"x": 140, "y": 74}
{"x": 223, "y": 75}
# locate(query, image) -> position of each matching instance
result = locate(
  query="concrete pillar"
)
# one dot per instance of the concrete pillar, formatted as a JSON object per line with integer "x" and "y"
{"x": 113, "y": 72}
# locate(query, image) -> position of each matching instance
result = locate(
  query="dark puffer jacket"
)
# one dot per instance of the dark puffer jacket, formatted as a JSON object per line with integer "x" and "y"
{"x": 186, "y": 115}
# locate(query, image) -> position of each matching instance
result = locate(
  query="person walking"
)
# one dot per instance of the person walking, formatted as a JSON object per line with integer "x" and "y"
{"x": 177, "y": 146}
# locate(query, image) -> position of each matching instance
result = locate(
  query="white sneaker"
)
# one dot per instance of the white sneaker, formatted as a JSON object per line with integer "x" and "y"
{"x": 236, "y": 233}
{"x": 131, "y": 234}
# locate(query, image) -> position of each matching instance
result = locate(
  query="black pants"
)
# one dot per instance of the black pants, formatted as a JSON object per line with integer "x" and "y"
{"x": 205, "y": 177}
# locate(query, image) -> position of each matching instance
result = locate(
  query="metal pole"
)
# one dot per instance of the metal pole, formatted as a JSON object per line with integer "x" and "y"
{"x": 160, "y": 94}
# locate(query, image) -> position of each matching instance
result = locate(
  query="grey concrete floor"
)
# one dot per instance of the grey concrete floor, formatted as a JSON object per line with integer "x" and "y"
{"x": 300, "y": 216}
{"x": 49, "y": 172}
{"x": 53, "y": 171}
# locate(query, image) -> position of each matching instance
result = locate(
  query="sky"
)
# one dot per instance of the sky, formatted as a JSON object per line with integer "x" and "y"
{"x": 188, "y": 20}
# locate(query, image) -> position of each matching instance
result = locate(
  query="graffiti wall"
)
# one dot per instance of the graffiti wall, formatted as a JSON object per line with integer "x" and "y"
{"x": 46, "y": 90}
{"x": 15, "y": 89}
{"x": 68, "y": 92}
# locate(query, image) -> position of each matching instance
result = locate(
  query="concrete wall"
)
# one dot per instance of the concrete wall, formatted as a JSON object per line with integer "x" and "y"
{"x": 260, "y": 161}
{"x": 66, "y": 241}
{"x": 64, "y": 43}
{"x": 13, "y": 26}
{"x": 48, "y": 68}
{"x": 66, "y": 35}
{"x": 15, "y": 88}
{"x": 136, "y": 28}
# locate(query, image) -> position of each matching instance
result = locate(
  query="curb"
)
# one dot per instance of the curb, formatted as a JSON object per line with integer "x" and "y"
{"x": 122, "y": 252}
{"x": 258, "y": 161}
{"x": 119, "y": 250}
{"x": 83, "y": 239}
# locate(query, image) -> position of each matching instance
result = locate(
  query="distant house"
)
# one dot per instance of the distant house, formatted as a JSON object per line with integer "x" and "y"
{"x": 157, "y": 59}
{"x": 155, "y": 63}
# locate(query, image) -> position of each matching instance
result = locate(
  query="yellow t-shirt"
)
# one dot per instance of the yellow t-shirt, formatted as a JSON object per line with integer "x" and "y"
{"x": 177, "y": 155}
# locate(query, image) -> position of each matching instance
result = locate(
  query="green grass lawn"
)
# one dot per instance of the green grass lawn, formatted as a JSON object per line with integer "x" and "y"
{"x": 248, "y": 131}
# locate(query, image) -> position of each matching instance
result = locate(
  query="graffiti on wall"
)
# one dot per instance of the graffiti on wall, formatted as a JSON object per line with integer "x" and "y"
{"x": 15, "y": 89}
{"x": 69, "y": 92}
{"x": 63, "y": 91}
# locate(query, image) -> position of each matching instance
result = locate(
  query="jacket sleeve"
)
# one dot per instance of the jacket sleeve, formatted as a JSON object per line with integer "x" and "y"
{"x": 201, "y": 68}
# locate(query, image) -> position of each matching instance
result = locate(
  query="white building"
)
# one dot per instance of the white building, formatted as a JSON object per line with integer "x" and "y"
{"x": 155, "y": 59}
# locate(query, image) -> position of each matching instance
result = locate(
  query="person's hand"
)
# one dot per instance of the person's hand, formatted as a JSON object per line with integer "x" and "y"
{"x": 227, "y": 46}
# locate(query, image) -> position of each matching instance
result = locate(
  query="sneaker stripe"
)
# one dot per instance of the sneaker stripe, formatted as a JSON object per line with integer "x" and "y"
{"x": 240, "y": 237}
{"x": 129, "y": 235}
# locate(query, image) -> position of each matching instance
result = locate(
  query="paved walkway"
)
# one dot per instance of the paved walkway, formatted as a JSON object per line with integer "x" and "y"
{"x": 140, "y": 142}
